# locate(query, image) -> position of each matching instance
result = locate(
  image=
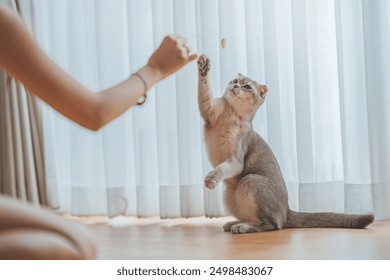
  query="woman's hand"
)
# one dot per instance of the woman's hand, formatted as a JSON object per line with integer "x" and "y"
{"x": 170, "y": 56}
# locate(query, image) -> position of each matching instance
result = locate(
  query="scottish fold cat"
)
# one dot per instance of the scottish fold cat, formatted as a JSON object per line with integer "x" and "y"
{"x": 255, "y": 189}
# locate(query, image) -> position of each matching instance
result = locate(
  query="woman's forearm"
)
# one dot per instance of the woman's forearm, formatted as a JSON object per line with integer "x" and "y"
{"x": 23, "y": 59}
{"x": 113, "y": 101}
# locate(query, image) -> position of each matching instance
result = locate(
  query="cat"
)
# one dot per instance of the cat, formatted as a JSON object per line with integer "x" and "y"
{"x": 255, "y": 190}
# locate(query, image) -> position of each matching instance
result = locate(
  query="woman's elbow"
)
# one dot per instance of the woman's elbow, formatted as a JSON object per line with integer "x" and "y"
{"x": 95, "y": 118}
{"x": 97, "y": 121}
{"x": 93, "y": 126}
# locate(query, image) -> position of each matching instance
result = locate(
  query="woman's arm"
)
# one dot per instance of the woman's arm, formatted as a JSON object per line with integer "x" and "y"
{"x": 21, "y": 56}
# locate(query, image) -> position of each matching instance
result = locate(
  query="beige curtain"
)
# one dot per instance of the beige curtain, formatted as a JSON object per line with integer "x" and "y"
{"x": 21, "y": 143}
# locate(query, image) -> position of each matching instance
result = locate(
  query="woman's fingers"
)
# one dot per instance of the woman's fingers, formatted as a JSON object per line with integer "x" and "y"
{"x": 181, "y": 40}
{"x": 172, "y": 55}
{"x": 192, "y": 57}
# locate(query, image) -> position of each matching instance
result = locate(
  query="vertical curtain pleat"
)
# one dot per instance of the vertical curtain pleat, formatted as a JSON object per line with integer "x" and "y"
{"x": 206, "y": 39}
{"x": 316, "y": 99}
{"x": 167, "y": 120}
{"x": 281, "y": 104}
{"x": 188, "y": 125}
{"x": 353, "y": 106}
{"x": 377, "y": 59}
{"x": 9, "y": 185}
{"x": 144, "y": 128}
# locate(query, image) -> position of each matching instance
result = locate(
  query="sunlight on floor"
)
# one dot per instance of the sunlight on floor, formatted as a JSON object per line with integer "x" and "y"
{"x": 122, "y": 221}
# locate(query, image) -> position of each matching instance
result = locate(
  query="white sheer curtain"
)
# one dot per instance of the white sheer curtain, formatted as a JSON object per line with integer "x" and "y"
{"x": 326, "y": 64}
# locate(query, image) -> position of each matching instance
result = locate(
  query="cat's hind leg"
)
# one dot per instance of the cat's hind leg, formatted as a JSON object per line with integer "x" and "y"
{"x": 250, "y": 227}
{"x": 255, "y": 202}
{"x": 246, "y": 227}
{"x": 227, "y": 226}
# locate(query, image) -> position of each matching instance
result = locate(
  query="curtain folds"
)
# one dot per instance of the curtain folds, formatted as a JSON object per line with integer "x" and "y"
{"x": 21, "y": 150}
{"x": 325, "y": 64}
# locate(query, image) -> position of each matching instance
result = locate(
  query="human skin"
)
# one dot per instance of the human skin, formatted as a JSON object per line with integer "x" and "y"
{"x": 29, "y": 232}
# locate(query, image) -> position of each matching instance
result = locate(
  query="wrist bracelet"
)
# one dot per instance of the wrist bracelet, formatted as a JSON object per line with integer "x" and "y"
{"x": 144, "y": 96}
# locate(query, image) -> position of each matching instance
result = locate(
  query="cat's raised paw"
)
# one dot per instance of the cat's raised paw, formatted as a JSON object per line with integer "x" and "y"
{"x": 203, "y": 65}
{"x": 210, "y": 181}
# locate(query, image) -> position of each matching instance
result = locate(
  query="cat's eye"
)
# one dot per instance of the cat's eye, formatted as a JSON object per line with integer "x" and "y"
{"x": 247, "y": 87}
{"x": 235, "y": 81}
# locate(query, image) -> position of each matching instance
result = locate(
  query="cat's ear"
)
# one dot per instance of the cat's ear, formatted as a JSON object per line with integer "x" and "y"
{"x": 263, "y": 90}
{"x": 240, "y": 75}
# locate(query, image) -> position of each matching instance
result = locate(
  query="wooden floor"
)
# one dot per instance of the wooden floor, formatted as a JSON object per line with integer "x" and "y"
{"x": 200, "y": 238}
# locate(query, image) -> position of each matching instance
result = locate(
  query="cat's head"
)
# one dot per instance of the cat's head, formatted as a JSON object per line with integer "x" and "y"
{"x": 245, "y": 96}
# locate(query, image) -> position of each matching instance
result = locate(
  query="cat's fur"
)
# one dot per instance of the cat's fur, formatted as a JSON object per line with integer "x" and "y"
{"x": 255, "y": 190}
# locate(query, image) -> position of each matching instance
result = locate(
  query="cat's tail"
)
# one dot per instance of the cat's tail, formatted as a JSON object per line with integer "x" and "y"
{"x": 335, "y": 220}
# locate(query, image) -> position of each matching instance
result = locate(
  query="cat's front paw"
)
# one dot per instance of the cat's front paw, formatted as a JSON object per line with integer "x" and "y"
{"x": 203, "y": 65}
{"x": 211, "y": 181}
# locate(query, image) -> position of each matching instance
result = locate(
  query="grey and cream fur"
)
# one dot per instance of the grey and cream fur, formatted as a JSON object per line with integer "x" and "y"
{"x": 255, "y": 189}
